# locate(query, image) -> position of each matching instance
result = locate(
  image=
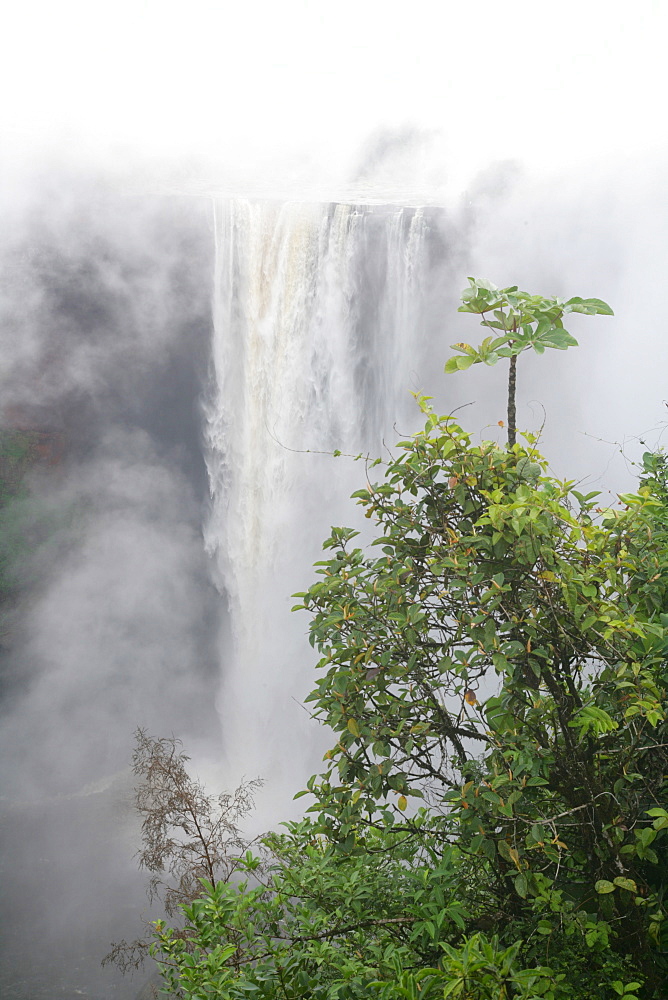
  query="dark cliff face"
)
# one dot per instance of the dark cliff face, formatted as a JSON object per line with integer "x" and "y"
{"x": 106, "y": 319}
{"x": 109, "y": 619}
{"x": 105, "y": 327}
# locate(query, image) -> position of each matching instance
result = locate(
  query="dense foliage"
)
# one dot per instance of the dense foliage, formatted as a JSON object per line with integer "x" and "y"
{"x": 491, "y": 820}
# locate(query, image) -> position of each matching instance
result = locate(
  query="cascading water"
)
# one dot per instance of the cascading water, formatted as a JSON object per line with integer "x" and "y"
{"x": 318, "y": 323}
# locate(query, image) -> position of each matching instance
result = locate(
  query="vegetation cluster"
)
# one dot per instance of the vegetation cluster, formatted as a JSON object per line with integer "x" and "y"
{"x": 26, "y": 521}
{"x": 19, "y": 450}
{"x": 491, "y": 819}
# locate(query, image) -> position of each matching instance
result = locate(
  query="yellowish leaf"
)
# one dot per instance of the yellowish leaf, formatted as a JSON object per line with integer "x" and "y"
{"x": 402, "y": 802}
{"x": 353, "y": 727}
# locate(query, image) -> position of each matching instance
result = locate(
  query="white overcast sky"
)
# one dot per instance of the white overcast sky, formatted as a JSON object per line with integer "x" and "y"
{"x": 549, "y": 84}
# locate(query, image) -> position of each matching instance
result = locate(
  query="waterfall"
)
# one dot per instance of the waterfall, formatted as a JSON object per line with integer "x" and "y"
{"x": 318, "y": 322}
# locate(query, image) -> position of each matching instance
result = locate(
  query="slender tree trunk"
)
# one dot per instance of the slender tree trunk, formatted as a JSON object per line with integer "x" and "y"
{"x": 512, "y": 386}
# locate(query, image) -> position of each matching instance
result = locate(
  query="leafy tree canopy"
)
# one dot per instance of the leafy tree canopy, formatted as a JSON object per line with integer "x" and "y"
{"x": 491, "y": 819}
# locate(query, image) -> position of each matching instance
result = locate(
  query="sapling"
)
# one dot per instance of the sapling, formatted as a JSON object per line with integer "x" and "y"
{"x": 518, "y": 321}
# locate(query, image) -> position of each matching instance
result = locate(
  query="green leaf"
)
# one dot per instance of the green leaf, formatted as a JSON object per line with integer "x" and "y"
{"x": 504, "y": 849}
{"x": 488, "y": 849}
{"x": 559, "y": 339}
{"x": 603, "y": 887}
{"x": 589, "y": 306}
{"x": 626, "y": 883}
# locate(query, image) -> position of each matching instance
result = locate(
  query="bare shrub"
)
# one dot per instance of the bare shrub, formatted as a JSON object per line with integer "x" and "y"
{"x": 187, "y": 835}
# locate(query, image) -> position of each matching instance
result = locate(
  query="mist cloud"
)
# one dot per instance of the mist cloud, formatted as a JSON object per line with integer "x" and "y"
{"x": 104, "y": 340}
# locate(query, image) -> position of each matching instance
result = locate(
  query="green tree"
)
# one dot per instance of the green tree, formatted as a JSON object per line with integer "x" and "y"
{"x": 493, "y": 667}
{"x": 518, "y": 322}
